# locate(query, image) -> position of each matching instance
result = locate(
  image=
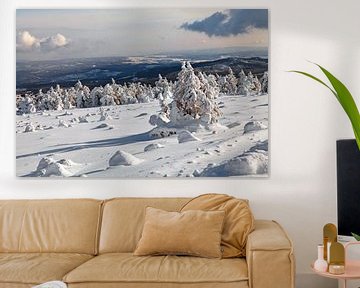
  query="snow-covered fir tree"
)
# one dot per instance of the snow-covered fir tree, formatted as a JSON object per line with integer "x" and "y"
{"x": 193, "y": 99}
{"x": 26, "y": 105}
{"x": 163, "y": 92}
{"x": 96, "y": 94}
{"x": 56, "y": 100}
{"x": 244, "y": 84}
{"x": 257, "y": 85}
{"x": 230, "y": 83}
{"x": 117, "y": 91}
{"x": 221, "y": 81}
{"x": 144, "y": 94}
{"x": 264, "y": 82}
{"x": 68, "y": 99}
{"x": 160, "y": 86}
{"x": 50, "y": 100}
{"x": 108, "y": 96}
{"x": 83, "y": 99}
{"x": 251, "y": 84}
{"x": 165, "y": 99}
{"x": 212, "y": 81}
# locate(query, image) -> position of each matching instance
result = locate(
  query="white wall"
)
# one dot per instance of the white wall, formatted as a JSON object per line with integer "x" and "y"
{"x": 305, "y": 121}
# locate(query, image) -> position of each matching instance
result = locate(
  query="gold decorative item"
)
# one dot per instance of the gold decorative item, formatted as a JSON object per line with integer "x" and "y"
{"x": 337, "y": 258}
{"x": 336, "y": 269}
{"x": 330, "y": 236}
{"x": 340, "y": 266}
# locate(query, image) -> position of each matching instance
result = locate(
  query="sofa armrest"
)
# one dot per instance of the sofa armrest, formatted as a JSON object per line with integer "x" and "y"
{"x": 269, "y": 256}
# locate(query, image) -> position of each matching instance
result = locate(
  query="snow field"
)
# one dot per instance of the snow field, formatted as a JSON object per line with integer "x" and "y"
{"x": 90, "y": 145}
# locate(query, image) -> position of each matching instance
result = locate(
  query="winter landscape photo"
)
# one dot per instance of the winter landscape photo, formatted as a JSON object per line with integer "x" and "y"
{"x": 134, "y": 93}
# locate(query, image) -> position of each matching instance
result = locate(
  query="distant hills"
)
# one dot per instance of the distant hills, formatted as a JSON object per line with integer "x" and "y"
{"x": 32, "y": 76}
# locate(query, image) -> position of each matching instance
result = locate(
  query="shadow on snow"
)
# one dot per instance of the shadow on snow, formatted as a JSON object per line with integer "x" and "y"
{"x": 142, "y": 137}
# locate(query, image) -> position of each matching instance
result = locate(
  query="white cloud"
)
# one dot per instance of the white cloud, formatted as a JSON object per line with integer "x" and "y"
{"x": 53, "y": 42}
{"x": 27, "y": 42}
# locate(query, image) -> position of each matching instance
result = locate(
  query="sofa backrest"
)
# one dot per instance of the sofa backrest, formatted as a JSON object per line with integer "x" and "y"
{"x": 123, "y": 220}
{"x": 67, "y": 226}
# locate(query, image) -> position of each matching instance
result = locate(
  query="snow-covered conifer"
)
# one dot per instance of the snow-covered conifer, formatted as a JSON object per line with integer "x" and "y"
{"x": 244, "y": 84}
{"x": 160, "y": 86}
{"x": 96, "y": 94}
{"x": 78, "y": 85}
{"x": 251, "y": 80}
{"x": 69, "y": 98}
{"x": 55, "y": 96}
{"x": 191, "y": 98}
{"x": 231, "y": 83}
{"x": 264, "y": 82}
{"x": 83, "y": 99}
{"x": 257, "y": 85}
{"x": 107, "y": 96}
{"x": 212, "y": 80}
{"x": 26, "y": 105}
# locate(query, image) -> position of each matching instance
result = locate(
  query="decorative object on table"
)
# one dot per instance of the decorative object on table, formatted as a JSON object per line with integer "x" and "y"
{"x": 52, "y": 284}
{"x": 153, "y": 93}
{"x": 337, "y": 258}
{"x": 344, "y": 97}
{"x": 329, "y": 236}
{"x": 320, "y": 264}
{"x": 336, "y": 269}
{"x": 341, "y": 267}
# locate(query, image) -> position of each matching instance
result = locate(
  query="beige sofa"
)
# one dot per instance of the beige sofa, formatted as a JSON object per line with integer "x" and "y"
{"x": 89, "y": 243}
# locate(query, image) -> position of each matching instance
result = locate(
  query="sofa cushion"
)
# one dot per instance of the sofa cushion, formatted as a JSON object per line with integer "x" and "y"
{"x": 123, "y": 220}
{"x": 194, "y": 232}
{"x": 238, "y": 223}
{"x": 36, "y": 268}
{"x": 126, "y": 268}
{"x": 63, "y": 226}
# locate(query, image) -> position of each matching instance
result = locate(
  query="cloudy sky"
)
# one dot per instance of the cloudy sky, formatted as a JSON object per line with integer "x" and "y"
{"x": 44, "y": 34}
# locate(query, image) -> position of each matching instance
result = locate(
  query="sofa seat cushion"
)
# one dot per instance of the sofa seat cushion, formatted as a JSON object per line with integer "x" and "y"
{"x": 125, "y": 267}
{"x": 36, "y": 268}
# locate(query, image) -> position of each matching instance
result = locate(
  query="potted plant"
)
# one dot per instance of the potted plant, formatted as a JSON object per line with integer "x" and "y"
{"x": 345, "y": 99}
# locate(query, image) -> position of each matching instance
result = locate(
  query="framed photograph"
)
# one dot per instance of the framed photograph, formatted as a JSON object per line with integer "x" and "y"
{"x": 142, "y": 92}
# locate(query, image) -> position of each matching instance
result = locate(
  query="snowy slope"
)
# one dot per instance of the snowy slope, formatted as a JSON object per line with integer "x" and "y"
{"x": 90, "y": 146}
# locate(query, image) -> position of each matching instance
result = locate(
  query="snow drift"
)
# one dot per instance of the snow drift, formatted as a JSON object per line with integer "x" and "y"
{"x": 253, "y": 126}
{"x": 123, "y": 158}
{"x": 187, "y": 136}
{"x": 249, "y": 163}
{"x": 49, "y": 167}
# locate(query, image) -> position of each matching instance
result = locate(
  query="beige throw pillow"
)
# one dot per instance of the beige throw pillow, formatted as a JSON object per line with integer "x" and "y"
{"x": 195, "y": 233}
{"x": 239, "y": 221}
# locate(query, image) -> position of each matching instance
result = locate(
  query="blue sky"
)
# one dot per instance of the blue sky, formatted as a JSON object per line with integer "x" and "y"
{"x": 44, "y": 34}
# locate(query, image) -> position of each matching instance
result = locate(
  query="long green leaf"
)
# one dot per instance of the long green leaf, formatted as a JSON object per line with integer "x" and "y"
{"x": 316, "y": 79}
{"x": 347, "y": 102}
{"x": 344, "y": 97}
{"x": 357, "y": 237}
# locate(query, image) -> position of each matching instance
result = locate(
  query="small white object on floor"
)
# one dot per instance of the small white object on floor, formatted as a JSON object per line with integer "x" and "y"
{"x": 51, "y": 284}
